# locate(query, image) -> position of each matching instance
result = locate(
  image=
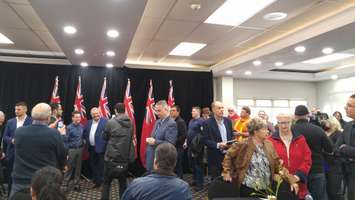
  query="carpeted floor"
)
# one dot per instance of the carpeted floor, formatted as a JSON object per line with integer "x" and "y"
{"x": 87, "y": 193}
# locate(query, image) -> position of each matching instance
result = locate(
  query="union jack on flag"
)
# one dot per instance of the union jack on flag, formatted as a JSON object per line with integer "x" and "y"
{"x": 55, "y": 97}
{"x": 103, "y": 102}
{"x": 79, "y": 103}
{"x": 128, "y": 103}
{"x": 171, "y": 100}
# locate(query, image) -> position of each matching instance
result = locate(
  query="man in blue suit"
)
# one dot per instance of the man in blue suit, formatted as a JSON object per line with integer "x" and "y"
{"x": 217, "y": 130}
{"x": 165, "y": 130}
{"x": 96, "y": 145}
{"x": 12, "y": 124}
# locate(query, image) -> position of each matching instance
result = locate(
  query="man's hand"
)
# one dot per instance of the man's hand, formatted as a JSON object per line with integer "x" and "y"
{"x": 62, "y": 130}
{"x": 222, "y": 145}
{"x": 150, "y": 141}
{"x": 185, "y": 144}
{"x": 227, "y": 177}
{"x": 13, "y": 141}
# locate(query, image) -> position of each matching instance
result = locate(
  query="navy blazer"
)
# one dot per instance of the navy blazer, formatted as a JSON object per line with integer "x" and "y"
{"x": 9, "y": 134}
{"x": 100, "y": 143}
{"x": 212, "y": 136}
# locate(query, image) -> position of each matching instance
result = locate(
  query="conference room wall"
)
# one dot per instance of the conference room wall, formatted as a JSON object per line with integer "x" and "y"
{"x": 333, "y": 94}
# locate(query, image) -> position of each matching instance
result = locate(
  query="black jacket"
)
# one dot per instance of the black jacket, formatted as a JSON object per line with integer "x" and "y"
{"x": 317, "y": 141}
{"x": 345, "y": 138}
{"x": 181, "y": 132}
{"x": 119, "y": 133}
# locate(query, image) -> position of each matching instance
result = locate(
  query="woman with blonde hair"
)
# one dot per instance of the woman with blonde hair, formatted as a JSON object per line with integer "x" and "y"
{"x": 254, "y": 164}
{"x": 333, "y": 165}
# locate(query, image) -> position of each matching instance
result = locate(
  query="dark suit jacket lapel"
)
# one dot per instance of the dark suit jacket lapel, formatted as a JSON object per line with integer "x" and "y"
{"x": 228, "y": 129}
{"x": 348, "y": 136}
{"x": 216, "y": 129}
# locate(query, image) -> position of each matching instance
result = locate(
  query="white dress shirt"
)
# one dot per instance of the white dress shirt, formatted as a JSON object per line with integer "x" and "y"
{"x": 93, "y": 131}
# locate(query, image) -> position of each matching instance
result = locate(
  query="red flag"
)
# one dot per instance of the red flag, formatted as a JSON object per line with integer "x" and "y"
{"x": 171, "y": 100}
{"x": 55, "y": 97}
{"x": 79, "y": 103}
{"x": 128, "y": 103}
{"x": 148, "y": 123}
{"x": 103, "y": 102}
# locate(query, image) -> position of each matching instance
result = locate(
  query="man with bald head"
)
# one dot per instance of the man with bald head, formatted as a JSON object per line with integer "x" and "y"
{"x": 96, "y": 145}
{"x": 217, "y": 130}
{"x": 36, "y": 146}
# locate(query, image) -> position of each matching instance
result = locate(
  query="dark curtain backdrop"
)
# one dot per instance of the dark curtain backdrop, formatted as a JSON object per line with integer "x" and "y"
{"x": 33, "y": 83}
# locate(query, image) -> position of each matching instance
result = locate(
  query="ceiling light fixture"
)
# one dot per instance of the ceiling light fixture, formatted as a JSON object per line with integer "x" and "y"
{"x": 248, "y": 73}
{"x": 69, "y": 29}
{"x": 109, "y": 65}
{"x": 328, "y": 58}
{"x": 79, "y": 51}
{"x": 275, "y": 16}
{"x": 279, "y": 64}
{"x": 84, "y": 64}
{"x": 334, "y": 77}
{"x": 300, "y": 49}
{"x": 257, "y": 62}
{"x": 234, "y": 13}
{"x": 327, "y": 50}
{"x": 5, "y": 40}
{"x": 186, "y": 49}
{"x": 229, "y": 72}
{"x": 110, "y": 53}
{"x": 112, "y": 33}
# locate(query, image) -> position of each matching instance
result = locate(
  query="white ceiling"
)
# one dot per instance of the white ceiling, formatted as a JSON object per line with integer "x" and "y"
{"x": 150, "y": 29}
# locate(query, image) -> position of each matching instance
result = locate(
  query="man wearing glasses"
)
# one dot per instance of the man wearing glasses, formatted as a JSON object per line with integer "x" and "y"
{"x": 345, "y": 146}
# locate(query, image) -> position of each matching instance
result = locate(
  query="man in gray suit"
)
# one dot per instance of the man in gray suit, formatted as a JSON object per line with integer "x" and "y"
{"x": 165, "y": 130}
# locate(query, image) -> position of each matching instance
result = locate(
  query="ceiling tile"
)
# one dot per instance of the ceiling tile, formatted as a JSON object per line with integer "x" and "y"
{"x": 138, "y": 45}
{"x": 148, "y": 27}
{"x": 158, "y": 47}
{"x": 182, "y": 10}
{"x": 25, "y": 39}
{"x": 30, "y": 17}
{"x": 9, "y": 19}
{"x": 23, "y": 2}
{"x": 207, "y": 33}
{"x": 158, "y": 8}
{"x": 48, "y": 40}
{"x": 173, "y": 30}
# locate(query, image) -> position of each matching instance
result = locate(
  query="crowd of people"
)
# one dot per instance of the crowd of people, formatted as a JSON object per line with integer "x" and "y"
{"x": 306, "y": 155}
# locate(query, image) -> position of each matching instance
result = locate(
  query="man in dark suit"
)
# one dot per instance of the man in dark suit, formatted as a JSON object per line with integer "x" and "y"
{"x": 36, "y": 146}
{"x": 345, "y": 146}
{"x": 180, "y": 140}
{"x": 165, "y": 130}
{"x": 12, "y": 124}
{"x": 217, "y": 130}
{"x": 96, "y": 145}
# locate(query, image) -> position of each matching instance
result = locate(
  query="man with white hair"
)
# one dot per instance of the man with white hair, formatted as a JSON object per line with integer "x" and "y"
{"x": 165, "y": 130}
{"x": 232, "y": 114}
{"x": 36, "y": 146}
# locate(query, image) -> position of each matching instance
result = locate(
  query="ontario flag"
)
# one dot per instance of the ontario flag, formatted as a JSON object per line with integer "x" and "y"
{"x": 171, "y": 100}
{"x": 128, "y": 103}
{"x": 79, "y": 103}
{"x": 103, "y": 102}
{"x": 55, "y": 97}
{"x": 148, "y": 123}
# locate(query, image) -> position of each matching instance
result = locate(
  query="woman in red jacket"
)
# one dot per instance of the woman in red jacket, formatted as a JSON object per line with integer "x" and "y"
{"x": 292, "y": 148}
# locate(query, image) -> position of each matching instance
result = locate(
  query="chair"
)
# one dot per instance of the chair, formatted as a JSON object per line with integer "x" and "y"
{"x": 222, "y": 189}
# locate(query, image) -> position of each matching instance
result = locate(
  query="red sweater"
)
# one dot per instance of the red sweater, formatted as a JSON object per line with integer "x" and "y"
{"x": 299, "y": 161}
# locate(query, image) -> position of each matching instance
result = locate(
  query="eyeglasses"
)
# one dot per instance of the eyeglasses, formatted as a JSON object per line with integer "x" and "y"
{"x": 349, "y": 106}
{"x": 283, "y": 123}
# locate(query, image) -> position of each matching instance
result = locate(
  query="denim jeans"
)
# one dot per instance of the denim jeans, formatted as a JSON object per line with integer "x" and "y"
{"x": 317, "y": 186}
{"x": 178, "y": 168}
{"x": 196, "y": 163}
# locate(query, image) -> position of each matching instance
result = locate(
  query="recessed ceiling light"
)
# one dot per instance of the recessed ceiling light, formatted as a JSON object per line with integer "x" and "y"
{"x": 229, "y": 72}
{"x": 279, "y": 64}
{"x": 109, "y": 65}
{"x": 248, "y": 73}
{"x": 257, "y": 62}
{"x": 79, "y": 51}
{"x": 334, "y": 77}
{"x": 186, "y": 49}
{"x": 112, "y": 33}
{"x": 5, "y": 40}
{"x": 195, "y": 6}
{"x": 234, "y": 13}
{"x": 69, "y": 29}
{"x": 300, "y": 49}
{"x": 328, "y": 50}
{"x": 84, "y": 64}
{"x": 328, "y": 58}
{"x": 110, "y": 53}
{"x": 275, "y": 16}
